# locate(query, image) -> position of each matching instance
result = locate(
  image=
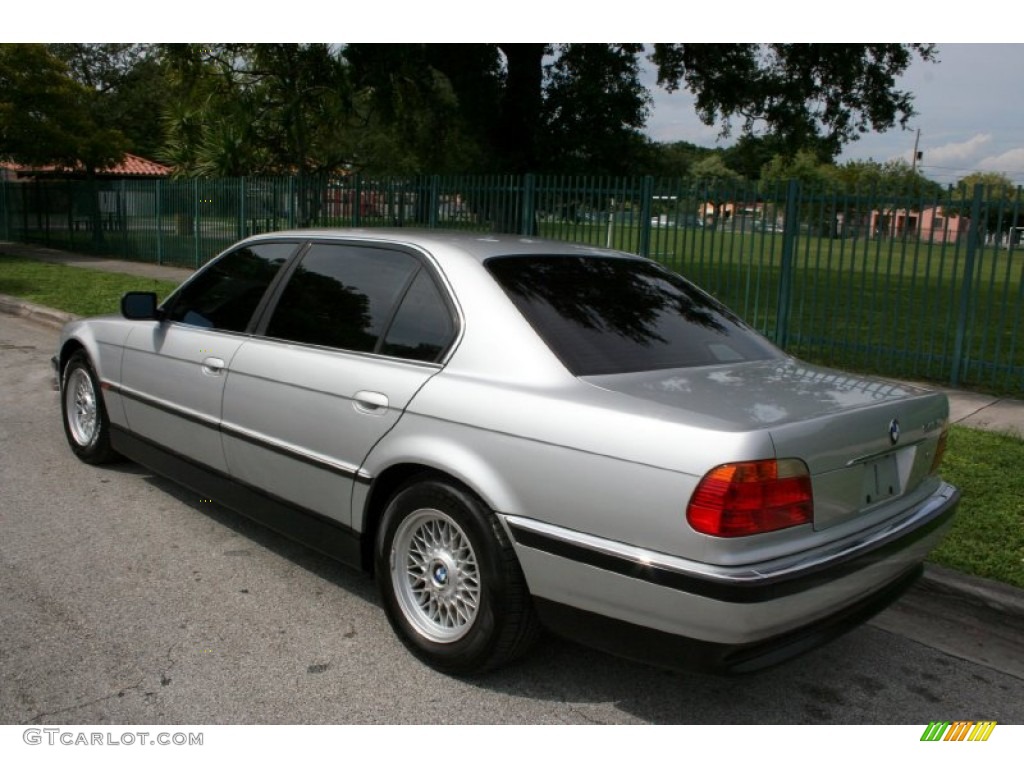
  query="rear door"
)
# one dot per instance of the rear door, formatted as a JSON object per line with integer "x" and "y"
{"x": 354, "y": 334}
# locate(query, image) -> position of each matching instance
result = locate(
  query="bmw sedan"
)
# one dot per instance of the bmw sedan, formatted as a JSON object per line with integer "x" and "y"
{"x": 513, "y": 433}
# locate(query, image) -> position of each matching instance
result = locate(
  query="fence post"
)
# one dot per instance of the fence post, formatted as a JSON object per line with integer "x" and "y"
{"x": 789, "y": 233}
{"x": 973, "y": 236}
{"x": 291, "y": 202}
{"x": 528, "y": 205}
{"x": 122, "y": 216}
{"x": 435, "y": 194}
{"x": 646, "y": 203}
{"x": 357, "y": 200}
{"x": 159, "y": 222}
{"x": 4, "y": 233}
{"x": 241, "y": 207}
{"x": 195, "y": 223}
{"x": 69, "y": 191}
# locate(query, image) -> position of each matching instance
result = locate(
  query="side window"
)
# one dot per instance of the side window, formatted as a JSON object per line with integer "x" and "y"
{"x": 422, "y": 327}
{"x": 225, "y": 294}
{"x": 342, "y": 296}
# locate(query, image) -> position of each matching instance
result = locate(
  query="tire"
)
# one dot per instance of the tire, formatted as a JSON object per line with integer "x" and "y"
{"x": 84, "y": 414}
{"x": 451, "y": 585}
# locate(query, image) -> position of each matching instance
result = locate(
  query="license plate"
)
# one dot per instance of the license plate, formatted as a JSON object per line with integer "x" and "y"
{"x": 881, "y": 480}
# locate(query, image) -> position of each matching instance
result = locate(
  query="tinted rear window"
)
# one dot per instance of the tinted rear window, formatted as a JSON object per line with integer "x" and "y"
{"x": 615, "y": 315}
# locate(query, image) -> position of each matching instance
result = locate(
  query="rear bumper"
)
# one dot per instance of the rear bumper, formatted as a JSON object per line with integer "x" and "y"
{"x": 651, "y": 646}
{"x": 813, "y": 595}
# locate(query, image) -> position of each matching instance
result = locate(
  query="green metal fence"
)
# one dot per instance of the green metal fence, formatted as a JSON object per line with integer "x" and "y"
{"x": 914, "y": 287}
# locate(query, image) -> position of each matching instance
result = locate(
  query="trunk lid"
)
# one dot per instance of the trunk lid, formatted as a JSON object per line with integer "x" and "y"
{"x": 866, "y": 442}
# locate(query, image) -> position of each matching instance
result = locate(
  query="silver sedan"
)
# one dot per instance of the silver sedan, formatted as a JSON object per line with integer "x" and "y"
{"x": 514, "y": 434}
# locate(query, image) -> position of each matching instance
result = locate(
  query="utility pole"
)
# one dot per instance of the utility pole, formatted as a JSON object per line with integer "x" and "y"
{"x": 917, "y": 155}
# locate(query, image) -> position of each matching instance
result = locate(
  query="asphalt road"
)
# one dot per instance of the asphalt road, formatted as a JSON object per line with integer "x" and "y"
{"x": 125, "y": 599}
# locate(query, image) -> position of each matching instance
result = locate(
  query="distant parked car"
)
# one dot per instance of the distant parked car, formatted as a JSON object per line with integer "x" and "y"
{"x": 513, "y": 433}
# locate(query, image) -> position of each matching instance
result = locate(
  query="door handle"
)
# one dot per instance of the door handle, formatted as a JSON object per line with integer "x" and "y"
{"x": 373, "y": 403}
{"x": 212, "y": 366}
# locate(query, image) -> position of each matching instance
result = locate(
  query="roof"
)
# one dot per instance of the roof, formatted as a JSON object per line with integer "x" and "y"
{"x": 131, "y": 166}
{"x": 477, "y": 245}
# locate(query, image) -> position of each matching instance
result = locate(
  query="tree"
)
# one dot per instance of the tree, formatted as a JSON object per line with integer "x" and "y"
{"x": 674, "y": 159}
{"x": 128, "y": 83}
{"x": 519, "y": 107}
{"x": 893, "y": 177}
{"x": 805, "y": 166}
{"x": 800, "y": 93}
{"x": 438, "y": 105}
{"x": 46, "y": 117}
{"x": 750, "y": 154}
{"x": 252, "y": 109}
{"x": 593, "y": 109}
{"x": 1002, "y": 202}
{"x": 820, "y": 95}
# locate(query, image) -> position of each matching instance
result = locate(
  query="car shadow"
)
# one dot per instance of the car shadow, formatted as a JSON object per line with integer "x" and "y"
{"x": 357, "y": 583}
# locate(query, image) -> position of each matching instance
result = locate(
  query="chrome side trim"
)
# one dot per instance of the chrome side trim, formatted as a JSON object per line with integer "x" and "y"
{"x": 750, "y": 583}
{"x": 162, "y": 405}
{"x": 277, "y": 446}
{"x": 294, "y": 452}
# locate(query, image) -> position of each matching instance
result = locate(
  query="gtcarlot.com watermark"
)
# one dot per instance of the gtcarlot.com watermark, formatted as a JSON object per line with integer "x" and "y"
{"x": 72, "y": 738}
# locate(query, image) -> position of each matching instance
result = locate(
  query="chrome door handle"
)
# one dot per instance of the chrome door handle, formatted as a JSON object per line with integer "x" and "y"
{"x": 373, "y": 403}
{"x": 212, "y": 366}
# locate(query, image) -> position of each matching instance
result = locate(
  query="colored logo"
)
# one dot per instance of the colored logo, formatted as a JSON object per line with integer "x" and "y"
{"x": 961, "y": 730}
{"x": 894, "y": 431}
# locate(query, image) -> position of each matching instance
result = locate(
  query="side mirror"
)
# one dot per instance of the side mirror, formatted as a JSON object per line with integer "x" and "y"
{"x": 139, "y": 305}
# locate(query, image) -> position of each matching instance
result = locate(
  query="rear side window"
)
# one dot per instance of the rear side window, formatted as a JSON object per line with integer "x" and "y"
{"x": 224, "y": 295}
{"x": 606, "y": 315}
{"x": 422, "y": 327}
{"x": 342, "y": 296}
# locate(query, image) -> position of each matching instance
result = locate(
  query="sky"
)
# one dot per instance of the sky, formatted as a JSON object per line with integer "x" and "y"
{"x": 970, "y": 110}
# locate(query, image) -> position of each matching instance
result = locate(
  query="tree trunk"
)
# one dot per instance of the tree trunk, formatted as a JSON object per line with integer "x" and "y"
{"x": 516, "y": 138}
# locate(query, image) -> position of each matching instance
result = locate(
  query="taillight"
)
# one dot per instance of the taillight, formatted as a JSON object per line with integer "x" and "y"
{"x": 752, "y": 497}
{"x": 940, "y": 451}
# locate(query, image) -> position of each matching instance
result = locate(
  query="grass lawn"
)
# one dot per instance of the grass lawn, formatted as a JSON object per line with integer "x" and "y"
{"x": 72, "y": 289}
{"x": 987, "y": 538}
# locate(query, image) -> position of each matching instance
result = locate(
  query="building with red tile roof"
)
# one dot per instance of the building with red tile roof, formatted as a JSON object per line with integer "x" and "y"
{"x": 130, "y": 167}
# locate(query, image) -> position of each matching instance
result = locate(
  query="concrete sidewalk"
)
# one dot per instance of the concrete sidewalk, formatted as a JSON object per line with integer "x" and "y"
{"x": 53, "y": 256}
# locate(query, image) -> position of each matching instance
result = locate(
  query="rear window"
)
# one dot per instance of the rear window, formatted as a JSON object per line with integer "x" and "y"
{"x": 606, "y": 315}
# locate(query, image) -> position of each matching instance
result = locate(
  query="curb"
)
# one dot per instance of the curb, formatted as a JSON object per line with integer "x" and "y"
{"x": 37, "y": 313}
{"x": 973, "y": 592}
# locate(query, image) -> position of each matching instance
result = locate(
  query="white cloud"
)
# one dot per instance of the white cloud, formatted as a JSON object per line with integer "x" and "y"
{"x": 1011, "y": 163}
{"x": 961, "y": 153}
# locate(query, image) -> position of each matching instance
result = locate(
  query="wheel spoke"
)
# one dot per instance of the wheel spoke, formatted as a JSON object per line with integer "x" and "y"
{"x": 81, "y": 407}
{"x": 438, "y": 585}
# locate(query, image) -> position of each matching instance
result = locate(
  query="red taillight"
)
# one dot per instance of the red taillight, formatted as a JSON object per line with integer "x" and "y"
{"x": 752, "y": 497}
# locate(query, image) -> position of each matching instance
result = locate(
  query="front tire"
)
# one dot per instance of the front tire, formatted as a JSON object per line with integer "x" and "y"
{"x": 452, "y": 587}
{"x": 85, "y": 417}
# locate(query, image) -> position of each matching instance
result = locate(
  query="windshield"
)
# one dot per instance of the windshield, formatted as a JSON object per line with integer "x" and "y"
{"x": 605, "y": 315}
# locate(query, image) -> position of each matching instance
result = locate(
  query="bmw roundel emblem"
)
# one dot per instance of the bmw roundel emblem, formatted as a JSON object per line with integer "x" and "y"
{"x": 894, "y": 431}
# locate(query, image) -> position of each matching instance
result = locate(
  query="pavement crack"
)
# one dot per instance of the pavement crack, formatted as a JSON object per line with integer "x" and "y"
{"x": 583, "y": 716}
{"x": 120, "y": 694}
{"x": 975, "y": 412}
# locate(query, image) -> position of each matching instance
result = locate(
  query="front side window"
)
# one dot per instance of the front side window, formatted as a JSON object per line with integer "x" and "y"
{"x": 225, "y": 294}
{"x": 604, "y": 315}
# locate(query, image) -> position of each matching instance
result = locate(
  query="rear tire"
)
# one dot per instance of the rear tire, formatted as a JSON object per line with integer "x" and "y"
{"x": 452, "y": 587}
{"x": 84, "y": 414}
